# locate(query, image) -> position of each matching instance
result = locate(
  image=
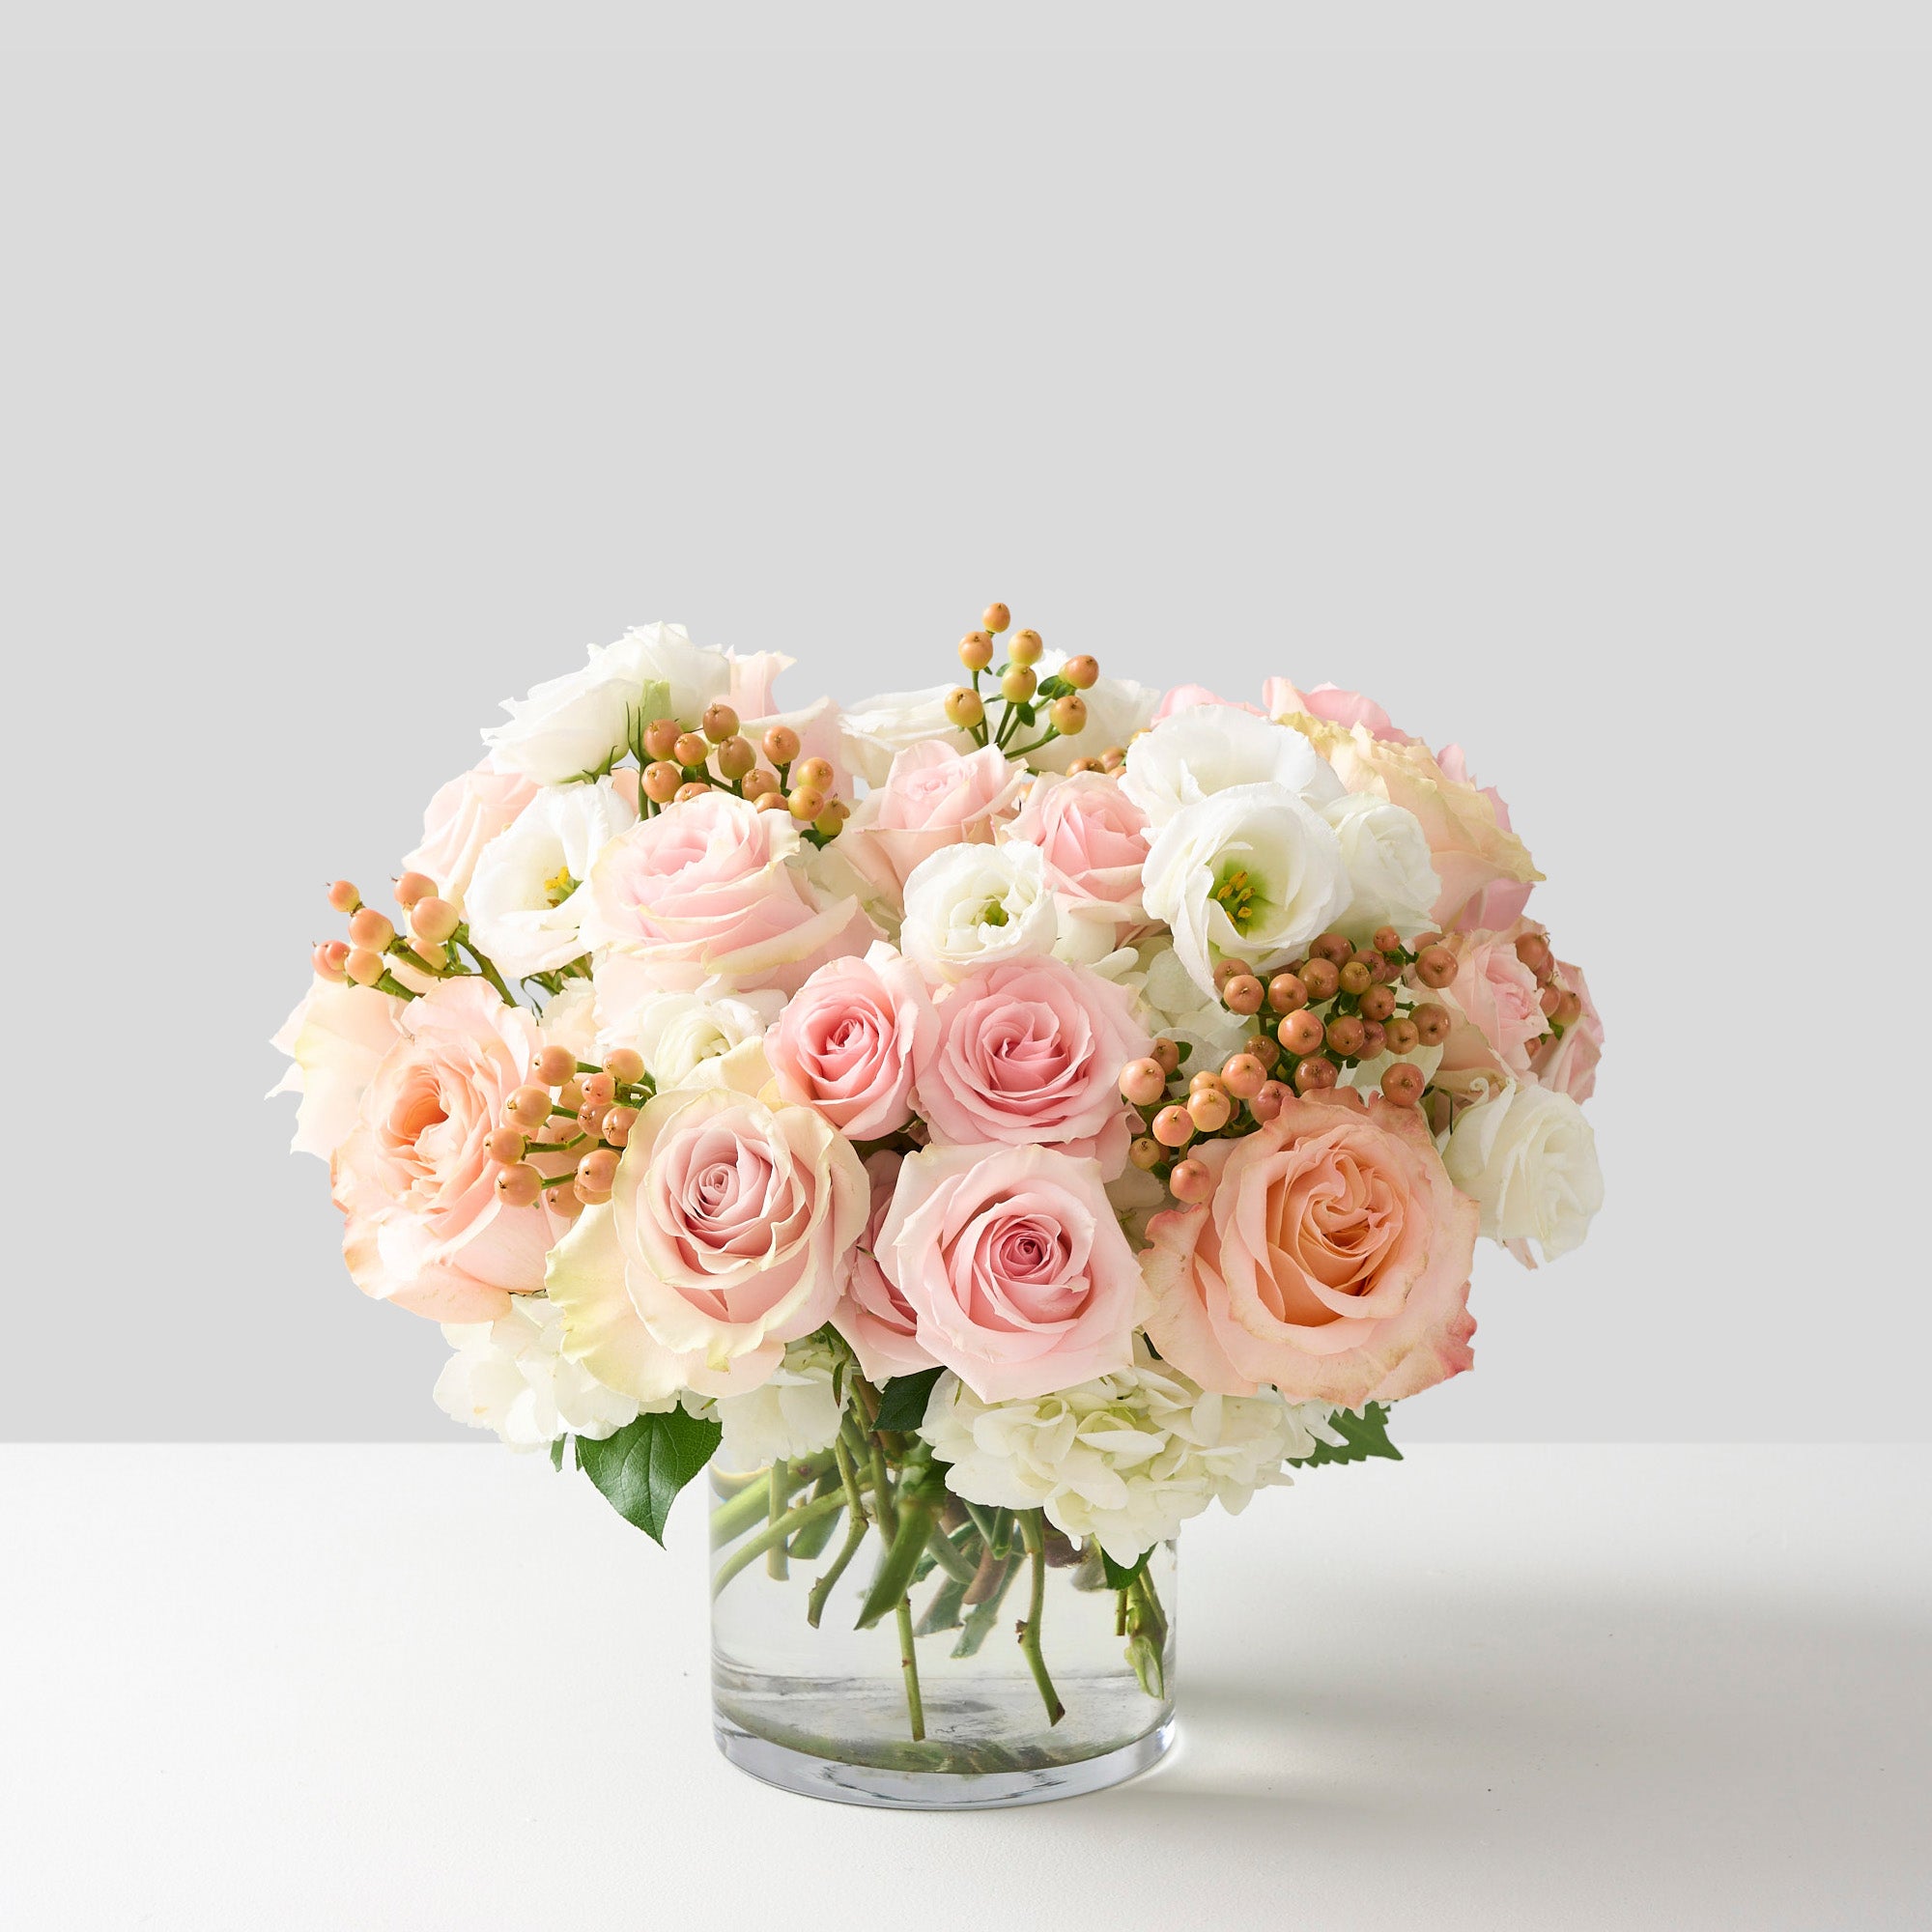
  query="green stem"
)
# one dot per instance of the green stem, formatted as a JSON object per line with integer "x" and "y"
{"x": 748, "y": 1551}
{"x": 1035, "y": 1543}
{"x": 985, "y": 1613}
{"x": 731, "y": 1519}
{"x": 949, "y": 1555}
{"x": 483, "y": 966}
{"x": 983, "y": 1518}
{"x": 778, "y": 1493}
{"x": 909, "y": 1663}
{"x": 1024, "y": 750}
{"x": 855, "y": 1534}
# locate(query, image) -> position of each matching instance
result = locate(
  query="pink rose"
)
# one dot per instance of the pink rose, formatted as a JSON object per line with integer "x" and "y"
{"x": 872, "y": 1314}
{"x": 711, "y": 889}
{"x": 1030, "y": 1054}
{"x": 1499, "y": 1001}
{"x": 725, "y": 1238}
{"x": 462, "y": 819}
{"x": 933, "y": 796}
{"x": 1094, "y": 840}
{"x": 847, "y": 1042}
{"x": 754, "y": 677}
{"x": 1329, "y": 701}
{"x": 1017, "y": 1274}
{"x": 1569, "y": 1065}
{"x": 1332, "y": 1260}
{"x": 425, "y": 1228}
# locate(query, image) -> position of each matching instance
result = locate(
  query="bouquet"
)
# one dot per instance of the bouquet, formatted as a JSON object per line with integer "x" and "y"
{"x": 1002, "y": 1120}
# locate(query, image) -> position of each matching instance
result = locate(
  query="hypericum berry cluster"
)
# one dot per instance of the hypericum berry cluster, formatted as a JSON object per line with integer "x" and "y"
{"x": 1339, "y": 1006}
{"x": 574, "y": 1163}
{"x": 678, "y": 764}
{"x": 437, "y": 942}
{"x": 1561, "y": 1007}
{"x": 1023, "y": 693}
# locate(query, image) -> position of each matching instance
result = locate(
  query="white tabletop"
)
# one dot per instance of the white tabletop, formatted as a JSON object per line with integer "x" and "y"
{"x": 277, "y": 1688}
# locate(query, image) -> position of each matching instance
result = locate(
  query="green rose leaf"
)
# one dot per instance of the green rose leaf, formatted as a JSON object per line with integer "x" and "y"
{"x": 641, "y": 1468}
{"x": 902, "y": 1401}
{"x": 1120, "y": 1578}
{"x": 1366, "y": 1436}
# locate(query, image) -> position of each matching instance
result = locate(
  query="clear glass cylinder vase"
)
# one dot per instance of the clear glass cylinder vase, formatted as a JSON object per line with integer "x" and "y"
{"x": 949, "y": 1656}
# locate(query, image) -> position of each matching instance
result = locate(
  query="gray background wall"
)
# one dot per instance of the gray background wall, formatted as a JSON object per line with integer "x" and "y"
{"x": 1576, "y": 407}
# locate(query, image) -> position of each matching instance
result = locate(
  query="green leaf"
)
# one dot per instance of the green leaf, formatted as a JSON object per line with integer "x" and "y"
{"x": 557, "y": 1452}
{"x": 902, "y": 1401}
{"x": 1182, "y": 1048}
{"x": 641, "y": 1468}
{"x": 1366, "y": 1436}
{"x": 1119, "y": 1577}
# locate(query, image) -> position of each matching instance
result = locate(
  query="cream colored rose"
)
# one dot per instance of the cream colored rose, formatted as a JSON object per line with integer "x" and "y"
{"x": 1469, "y": 844}
{"x": 1527, "y": 1157}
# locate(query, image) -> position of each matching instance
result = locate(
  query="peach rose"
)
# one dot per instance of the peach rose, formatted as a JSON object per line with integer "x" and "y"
{"x": 425, "y": 1229}
{"x": 1093, "y": 838}
{"x": 708, "y": 891}
{"x": 1501, "y": 900}
{"x": 1016, "y": 1272}
{"x": 1030, "y": 1054}
{"x": 847, "y": 1042}
{"x": 1332, "y": 1260}
{"x": 725, "y": 1238}
{"x": 934, "y": 796}
{"x": 1568, "y": 1064}
{"x": 335, "y": 1039}
{"x": 872, "y": 1314}
{"x": 1472, "y": 848}
{"x": 462, "y": 819}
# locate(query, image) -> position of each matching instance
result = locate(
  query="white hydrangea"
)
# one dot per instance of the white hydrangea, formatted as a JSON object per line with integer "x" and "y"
{"x": 512, "y": 1375}
{"x": 793, "y": 1413}
{"x": 1124, "y": 1459}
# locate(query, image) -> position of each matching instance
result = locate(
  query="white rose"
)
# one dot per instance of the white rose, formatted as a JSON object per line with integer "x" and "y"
{"x": 1527, "y": 1157}
{"x": 1126, "y": 1458}
{"x": 1253, "y": 874}
{"x": 512, "y": 1375}
{"x": 872, "y": 734}
{"x": 971, "y": 907}
{"x": 1391, "y": 878}
{"x": 524, "y": 909}
{"x": 677, "y": 1033}
{"x": 795, "y": 1413}
{"x": 1117, "y": 709}
{"x": 576, "y": 726}
{"x": 1212, "y": 748}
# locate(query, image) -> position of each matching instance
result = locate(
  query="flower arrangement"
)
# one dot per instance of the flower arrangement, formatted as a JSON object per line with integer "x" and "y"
{"x": 1002, "y": 1120}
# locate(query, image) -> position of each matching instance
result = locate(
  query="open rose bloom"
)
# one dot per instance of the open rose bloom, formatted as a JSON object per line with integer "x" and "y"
{"x": 987, "y": 1128}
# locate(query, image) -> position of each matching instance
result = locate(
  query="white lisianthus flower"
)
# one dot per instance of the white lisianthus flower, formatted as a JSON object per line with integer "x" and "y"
{"x": 570, "y": 1019}
{"x": 794, "y": 1413}
{"x": 1253, "y": 874}
{"x": 575, "y": 727}
{"x": 525, "y": 910}
{"x": 677, "y": 1033}
{"x": 1391, "y": 878}
{"x": 1117, "y": 709}
{"x": 1125, "y": 1459}
{"x": 973, "y": 906}
{"x": 872, "y": 734}
{"x": 512, "y": 1375}
{"x": 1212, "y": 748}
{"x": 1527, "y": 1157}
